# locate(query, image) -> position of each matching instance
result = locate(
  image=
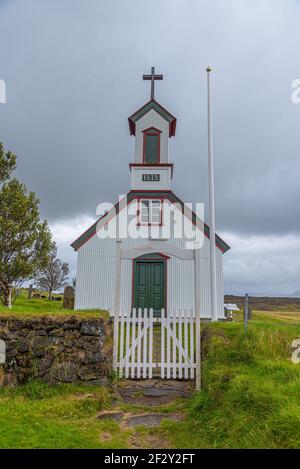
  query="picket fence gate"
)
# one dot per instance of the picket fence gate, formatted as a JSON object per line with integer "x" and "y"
{"x": 149, "y": 346}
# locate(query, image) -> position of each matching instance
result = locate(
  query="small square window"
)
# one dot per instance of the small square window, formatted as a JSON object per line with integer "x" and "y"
{"x": 150, "y": 212}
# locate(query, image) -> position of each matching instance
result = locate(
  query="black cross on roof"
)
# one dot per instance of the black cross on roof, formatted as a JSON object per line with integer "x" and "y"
{"x": 152, "y": 77}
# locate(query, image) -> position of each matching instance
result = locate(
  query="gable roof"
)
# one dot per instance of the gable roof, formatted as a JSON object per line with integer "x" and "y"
{"x": 152, "y": 104}
{"x": 132, "y": 195}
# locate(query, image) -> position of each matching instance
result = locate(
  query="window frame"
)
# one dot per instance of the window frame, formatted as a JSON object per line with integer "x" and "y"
{"x": 150, "y": 201}
{"x": 151, "y": 131}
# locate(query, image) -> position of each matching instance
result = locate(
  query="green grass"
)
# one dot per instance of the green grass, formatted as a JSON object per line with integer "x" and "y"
{"x": 250, "y": 399}
{"x": 22, "y": 307}
{"x": 251, "y": 391}
{"x": 38, "y": 416}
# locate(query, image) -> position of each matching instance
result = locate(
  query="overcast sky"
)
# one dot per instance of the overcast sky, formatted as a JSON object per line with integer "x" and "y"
{"x": 73, "y": 71}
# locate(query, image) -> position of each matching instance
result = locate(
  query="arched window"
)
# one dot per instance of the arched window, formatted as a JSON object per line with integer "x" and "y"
{"x": 151, "y": 153}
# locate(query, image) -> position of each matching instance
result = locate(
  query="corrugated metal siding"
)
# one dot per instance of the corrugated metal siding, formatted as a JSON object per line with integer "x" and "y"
{"x": 152, "y": 119}
{"x": 94, "y": 288}
{"x": 96, "y": 271}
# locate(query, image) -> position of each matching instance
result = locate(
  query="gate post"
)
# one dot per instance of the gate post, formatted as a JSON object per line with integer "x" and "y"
{"x": 246, "y": 312}
{"x": 117, "y": 302}
{"x": 197, "y": 316}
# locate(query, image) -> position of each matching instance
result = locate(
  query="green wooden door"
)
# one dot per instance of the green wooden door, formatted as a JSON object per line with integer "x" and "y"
{"x": 149, "y": 286}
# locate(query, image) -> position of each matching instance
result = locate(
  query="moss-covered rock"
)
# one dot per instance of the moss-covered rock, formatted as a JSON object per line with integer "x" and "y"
{"x": 55, "y": 349}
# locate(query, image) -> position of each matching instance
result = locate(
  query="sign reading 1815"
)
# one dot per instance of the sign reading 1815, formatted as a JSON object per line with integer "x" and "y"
{"x": 151, "y": 177}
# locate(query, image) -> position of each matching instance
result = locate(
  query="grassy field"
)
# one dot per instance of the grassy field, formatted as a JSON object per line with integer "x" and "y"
{"x": 250, "y": 399}
{"x": 42, "y": 306}
{"x": 260, "y": 303}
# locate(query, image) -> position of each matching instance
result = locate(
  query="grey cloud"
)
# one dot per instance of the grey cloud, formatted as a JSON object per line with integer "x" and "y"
{"x": 262, "y": 264}
{"x": 73, "y": 73}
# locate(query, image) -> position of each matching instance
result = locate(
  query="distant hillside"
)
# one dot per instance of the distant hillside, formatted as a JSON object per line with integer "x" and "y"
{"x": 264, "y": 303}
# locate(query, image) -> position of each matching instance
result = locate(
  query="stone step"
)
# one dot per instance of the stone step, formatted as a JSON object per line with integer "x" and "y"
{"x": 154, "y": 391}
{"x": 134, "y": 420}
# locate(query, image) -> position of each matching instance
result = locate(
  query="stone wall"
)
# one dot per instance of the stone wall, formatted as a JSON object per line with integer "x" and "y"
{"x": 55, "y": 349}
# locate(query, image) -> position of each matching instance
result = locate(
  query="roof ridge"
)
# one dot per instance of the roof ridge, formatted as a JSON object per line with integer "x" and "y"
{"x": 91, "y": 231}
{"x": 143, "y": 110}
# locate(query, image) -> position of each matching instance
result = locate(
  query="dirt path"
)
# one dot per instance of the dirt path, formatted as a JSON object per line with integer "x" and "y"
{"x": 142, "y": 405}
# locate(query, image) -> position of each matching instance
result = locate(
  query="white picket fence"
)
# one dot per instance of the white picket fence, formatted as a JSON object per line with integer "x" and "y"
{"x": 148, "y": 346}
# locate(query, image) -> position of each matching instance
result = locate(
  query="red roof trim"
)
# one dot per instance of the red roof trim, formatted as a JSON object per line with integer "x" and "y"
{"x": 115, "y": 208}
{"x": 77, "y": 244}
{"x": 172, "y": 128}
{"x": 152, "y": 128}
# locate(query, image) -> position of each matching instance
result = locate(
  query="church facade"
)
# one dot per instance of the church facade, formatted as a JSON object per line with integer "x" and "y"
{"x": 150, "y": 215}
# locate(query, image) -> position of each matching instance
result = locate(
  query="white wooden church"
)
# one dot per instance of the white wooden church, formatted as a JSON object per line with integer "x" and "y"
{"x": 157, "y": 266}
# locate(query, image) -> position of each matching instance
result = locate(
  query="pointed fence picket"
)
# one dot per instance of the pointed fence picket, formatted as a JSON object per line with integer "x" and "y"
{"x": 135, "y": 344}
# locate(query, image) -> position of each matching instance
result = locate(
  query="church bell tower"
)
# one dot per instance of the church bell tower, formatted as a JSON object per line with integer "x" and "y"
{"x": 152, "y": 125}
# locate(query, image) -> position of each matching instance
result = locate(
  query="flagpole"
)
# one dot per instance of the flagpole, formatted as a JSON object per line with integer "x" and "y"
{"x": 212, "y": 222}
